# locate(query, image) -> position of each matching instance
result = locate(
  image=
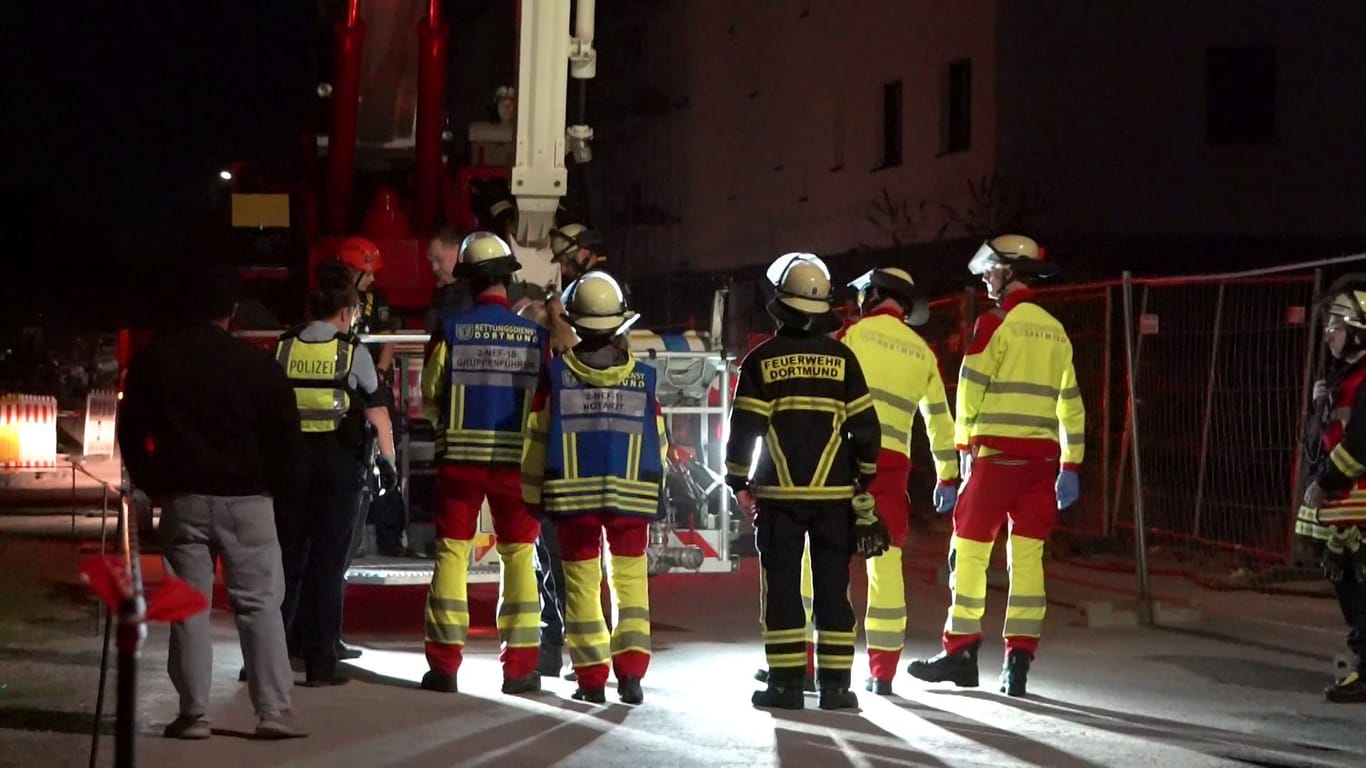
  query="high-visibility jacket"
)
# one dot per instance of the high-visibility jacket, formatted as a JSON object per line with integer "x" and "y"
{"x": 1339, "y": 468}
{"x": 803, "y": 404}
{"x": 319, "y": 372}
{"x": 595, "y": 442}
{"x": 903, "y": 376}
{"x": 1017, "y": 389}
{"x": 479, "y": 381}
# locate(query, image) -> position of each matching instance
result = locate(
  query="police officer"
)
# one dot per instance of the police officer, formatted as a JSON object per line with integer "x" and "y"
{"x": 1019, "y": 413}
{"x": 802, "y": 399}
{"x": 335, "y": 386}
{"x": 1332, "y": 517}
{"x": 594, "y": 462}
{"x": 903, "y": 376}
{"x": 480, "y": 377}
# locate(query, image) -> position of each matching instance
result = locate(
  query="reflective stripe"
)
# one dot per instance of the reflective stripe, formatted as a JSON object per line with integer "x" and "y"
{"x": 950, "y": 455}
{"x": 890, "y": 614}
{"x": 517, "y": 609}
{"x": 601, "y": 424}
{"x": 885, "y": 641}
{"x": 522, "y": 637}
{"x": 934, "y": 409}
{"x": 1019, "y": 601}
{"x": 959, "y": 625}
{"x": 445, "y": 634}
{"x": 630, "y": 641}
{"x": 1017, "y": 420}
{"x": 1071, "y": 393}
{"x": 800, "y": 493}
{"x": 820, "y": 404}
{"x": 523, "y": 381}
{"x": 974, "y": 376}
{"x": 447, "y": 604}
{"x": 894, "y": 400}
{"x": 753, "y": 405}
{"x": 1022, "y": 627}
{"x": 625, "y": 612}
{"x": 1345, "y": 462}
{"x": 892, "y": 433}
{"x": 999, "y": 387}
{"x": 970, "y": 602}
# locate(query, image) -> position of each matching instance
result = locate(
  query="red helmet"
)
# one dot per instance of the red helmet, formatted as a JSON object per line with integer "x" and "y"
{"x": 360, "y": 254}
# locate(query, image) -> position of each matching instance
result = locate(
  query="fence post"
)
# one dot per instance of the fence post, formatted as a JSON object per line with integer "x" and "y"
{"x": 1145, "y": 612}
{"x": 1209, "y": 407}
{"x": 1122, "y": 465}
{"x": 1105, "y": 526}
{"x": 1306, "y": 392}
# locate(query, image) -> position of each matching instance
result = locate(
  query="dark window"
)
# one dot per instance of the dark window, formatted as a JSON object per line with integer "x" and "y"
{"x": 1240, "y": 95}
{"x": 891, "y": 124}
{"x": 955, "y": 123}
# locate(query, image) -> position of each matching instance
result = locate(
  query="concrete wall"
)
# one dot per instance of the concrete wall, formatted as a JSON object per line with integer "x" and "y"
{"x": 1103, "y": 105}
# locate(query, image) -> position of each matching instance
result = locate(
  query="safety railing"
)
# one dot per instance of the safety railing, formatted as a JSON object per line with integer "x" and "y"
{"x": 28, "y": 431}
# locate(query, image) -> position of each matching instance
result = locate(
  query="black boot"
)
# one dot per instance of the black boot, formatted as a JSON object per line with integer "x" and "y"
{"x": 1015, "y": 673}
{"x": 550, "y": 661}
{"x": 629, "y": 690}
{"x": 1352, "y": 690}
{"x": 779, "y": 697}
{"x": 322, "y": 673}
{"x": 808, "y": 683}
{"x": 514, "y": 686}
{"x": 590, "y": 695}
{"x": 880, "y": 687}
{"x": 837, "y": 698}
{"x": 439, "y": 682}
{"x": 959, "y": 668}
{"x": 347, "y": 651}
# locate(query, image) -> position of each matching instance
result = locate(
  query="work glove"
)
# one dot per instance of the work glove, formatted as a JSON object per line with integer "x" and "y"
{"x": 945, "y": 496}
{"x": 965, "y": 464}
{"x": 870, "y": 533}
{"x": 1068, "y": 488}
{"x": 1322, "y": 392}
{"x": 388, "y": 476}
{"x": 1357, "y": 556}
{"x": 1333, "y": 563}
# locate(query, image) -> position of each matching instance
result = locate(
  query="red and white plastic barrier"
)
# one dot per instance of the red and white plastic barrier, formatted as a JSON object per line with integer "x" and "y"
{"x": 28, "y": 432}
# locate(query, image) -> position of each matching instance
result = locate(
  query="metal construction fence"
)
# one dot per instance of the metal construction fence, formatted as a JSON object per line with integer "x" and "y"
{"x": 1202, "y": 461}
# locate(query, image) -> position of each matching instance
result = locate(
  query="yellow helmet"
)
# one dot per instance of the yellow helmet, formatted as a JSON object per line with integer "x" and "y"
{"x": 894, "y": 283}
{"x": 1015, "y": 252}
{"x": 595, "y": 304}
{"x": 485, "y": 255}
{"x": 1345, "y": 302}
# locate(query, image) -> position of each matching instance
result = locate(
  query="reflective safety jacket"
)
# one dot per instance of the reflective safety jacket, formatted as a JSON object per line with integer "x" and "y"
{"x": 479, "y": 380}
{"x": 596, "y": 441}
{"x": 1338, "y": 466}
{"x": 1017, "y": 389}
{"x": 903, "y": 375}
{"x": 803, "y": 406}
{"x": 319, "y": 372}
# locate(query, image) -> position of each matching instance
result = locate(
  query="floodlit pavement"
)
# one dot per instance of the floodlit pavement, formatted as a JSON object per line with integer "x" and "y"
{"x": 1241, "y": 688}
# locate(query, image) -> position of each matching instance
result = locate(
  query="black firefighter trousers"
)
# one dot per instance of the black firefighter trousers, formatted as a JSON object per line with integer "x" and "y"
{"x": 781, "y": 531}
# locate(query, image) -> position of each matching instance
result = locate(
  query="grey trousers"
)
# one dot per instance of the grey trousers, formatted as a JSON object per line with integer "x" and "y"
{"x": 240, "y": 530}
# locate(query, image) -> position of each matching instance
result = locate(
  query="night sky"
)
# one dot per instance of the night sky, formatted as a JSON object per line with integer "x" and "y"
{"x": 118, "y": 117}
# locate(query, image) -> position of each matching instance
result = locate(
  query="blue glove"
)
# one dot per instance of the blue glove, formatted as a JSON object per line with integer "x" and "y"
{"x": 945, "y": 497}
{"x": 1068, "y": 488}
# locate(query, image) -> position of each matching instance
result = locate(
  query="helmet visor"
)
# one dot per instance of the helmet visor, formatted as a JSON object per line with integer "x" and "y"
{"x": 986, "y": 259}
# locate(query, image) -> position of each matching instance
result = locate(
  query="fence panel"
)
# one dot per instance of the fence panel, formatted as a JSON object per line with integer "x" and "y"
{"x": 1219, "y": 385}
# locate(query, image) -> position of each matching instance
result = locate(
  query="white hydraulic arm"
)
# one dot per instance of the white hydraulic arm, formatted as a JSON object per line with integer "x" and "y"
{"x": 547, "y": 55}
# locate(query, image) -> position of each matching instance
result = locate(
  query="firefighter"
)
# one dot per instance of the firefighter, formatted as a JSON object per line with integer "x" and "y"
{"x": 1332, "y": 517}
{"x": 903, "y": 376}
{"x": 337, "y": 389}
{"x": 594, "y": 463}
{"x": 577, "y": 250}
{"x": 477, "y": 386}
{"x": 1019, "y": 412}
{"x": 803, "y": 403}
{"x": 363, "y": 256}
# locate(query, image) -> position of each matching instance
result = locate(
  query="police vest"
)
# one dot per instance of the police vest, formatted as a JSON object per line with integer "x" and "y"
{"x": 493, "y": 365}
{"x": 319, "y": 371}
{"x": 603, "y": 451}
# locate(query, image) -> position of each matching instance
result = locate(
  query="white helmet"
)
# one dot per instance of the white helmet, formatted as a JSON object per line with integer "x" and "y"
{"x": 596, "y": 305}
{"x": 803, "y": 282}
{"x": 1014, "y": 252}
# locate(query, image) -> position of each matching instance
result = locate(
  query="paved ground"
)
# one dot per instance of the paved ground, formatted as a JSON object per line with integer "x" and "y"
{"x": 1241, "y": 688}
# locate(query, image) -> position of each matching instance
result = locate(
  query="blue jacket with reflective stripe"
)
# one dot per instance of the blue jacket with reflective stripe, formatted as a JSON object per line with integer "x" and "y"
{"x": 483, "y": 374}
{"x": 603, "y": 442}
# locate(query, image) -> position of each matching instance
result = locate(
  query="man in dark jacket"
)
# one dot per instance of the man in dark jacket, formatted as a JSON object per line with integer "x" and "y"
{"x": 208, "y": 425}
